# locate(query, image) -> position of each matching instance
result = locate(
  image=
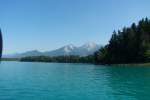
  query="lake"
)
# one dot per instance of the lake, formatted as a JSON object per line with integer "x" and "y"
{"x": 59, "y": 81}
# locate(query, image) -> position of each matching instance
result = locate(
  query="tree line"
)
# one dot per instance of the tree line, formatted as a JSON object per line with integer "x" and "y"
{"x": 61, "y": 59}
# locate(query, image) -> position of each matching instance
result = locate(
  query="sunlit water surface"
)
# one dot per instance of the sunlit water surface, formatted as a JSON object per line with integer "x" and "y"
{"x": 58, "y": 81}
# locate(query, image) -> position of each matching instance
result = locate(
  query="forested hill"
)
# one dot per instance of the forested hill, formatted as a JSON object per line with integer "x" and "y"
{"x": 129, "y": 45}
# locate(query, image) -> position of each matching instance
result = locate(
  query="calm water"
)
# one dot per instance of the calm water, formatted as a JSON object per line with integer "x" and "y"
{"x": 56, "y": 81}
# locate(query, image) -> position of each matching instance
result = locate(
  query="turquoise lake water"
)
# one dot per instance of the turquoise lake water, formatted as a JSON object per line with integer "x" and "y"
{"x": 58, "y": 81}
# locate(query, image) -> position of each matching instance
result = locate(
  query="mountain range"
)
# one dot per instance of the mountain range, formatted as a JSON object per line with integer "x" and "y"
{"x": 84, "y": 50}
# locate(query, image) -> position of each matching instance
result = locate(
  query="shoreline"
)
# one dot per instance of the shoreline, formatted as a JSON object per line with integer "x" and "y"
{"x": 129, "y": 64}
{"x": 133, "y": 64}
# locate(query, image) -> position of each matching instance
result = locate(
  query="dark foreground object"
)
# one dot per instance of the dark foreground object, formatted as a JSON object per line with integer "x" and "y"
{"x": 1, "y": 44}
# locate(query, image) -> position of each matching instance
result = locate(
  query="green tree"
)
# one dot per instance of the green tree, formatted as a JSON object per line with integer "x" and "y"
{"x": 129, "y": 45}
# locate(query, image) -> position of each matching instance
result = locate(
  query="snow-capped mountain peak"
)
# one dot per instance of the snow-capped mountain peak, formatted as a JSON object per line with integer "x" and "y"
{"x": 89, "y": 46}
{"x": 69, "y": 48}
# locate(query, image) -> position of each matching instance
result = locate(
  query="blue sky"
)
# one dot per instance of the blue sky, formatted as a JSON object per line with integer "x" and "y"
{"x": 49, "y": 24}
